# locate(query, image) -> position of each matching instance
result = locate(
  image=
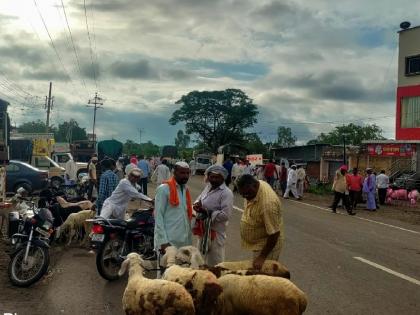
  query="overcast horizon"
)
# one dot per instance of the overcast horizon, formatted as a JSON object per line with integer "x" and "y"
{"x": 308, "y": 66}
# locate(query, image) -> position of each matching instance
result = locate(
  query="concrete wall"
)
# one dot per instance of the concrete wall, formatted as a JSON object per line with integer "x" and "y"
{"x": 409, "y": 45}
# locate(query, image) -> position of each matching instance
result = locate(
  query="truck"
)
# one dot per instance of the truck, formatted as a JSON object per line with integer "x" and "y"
{"x": 62, "y": 154}
{"x": 200, "y": 163}
{"x": 110, "y": 148}
{"x": 82, "y": 150}
{"x": 35, "y": 149}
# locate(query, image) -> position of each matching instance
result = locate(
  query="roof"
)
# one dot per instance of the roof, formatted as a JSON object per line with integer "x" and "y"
{"x": 301, "y": 146}
{"x": 409, "y": 29}
{"x": 390, "y": 141}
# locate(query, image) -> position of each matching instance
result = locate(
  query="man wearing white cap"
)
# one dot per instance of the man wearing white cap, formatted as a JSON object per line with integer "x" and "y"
{"x": 173, "y": 210}
{"x": 115, "y": 206}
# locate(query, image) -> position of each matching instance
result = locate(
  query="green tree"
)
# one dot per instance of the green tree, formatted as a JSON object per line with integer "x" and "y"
{"x": 254, "y": 145}
{"x": 285, "y": 137}
{"x": 70, "y": 131}
{"x": 147, "y": 149}
{"x": 354, "y": 134}
{"x": 37, "y": 126}
{"x": 217, "y": 117}
{"x": 182, "y": 141}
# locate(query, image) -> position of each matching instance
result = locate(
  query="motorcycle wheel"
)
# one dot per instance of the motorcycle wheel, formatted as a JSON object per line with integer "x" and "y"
{"x": 108, "y": 261}
{"x": 23, "y": 275}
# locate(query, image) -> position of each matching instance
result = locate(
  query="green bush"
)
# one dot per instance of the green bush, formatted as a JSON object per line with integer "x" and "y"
{"x": 320, "y": 189}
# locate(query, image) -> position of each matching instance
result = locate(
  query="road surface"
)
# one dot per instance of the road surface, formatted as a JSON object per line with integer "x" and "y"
{"x": 346, "y": 265}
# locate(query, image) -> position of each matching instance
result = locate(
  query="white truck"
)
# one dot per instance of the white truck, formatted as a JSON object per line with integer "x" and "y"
{"x": 200, "y": 163}
{"x": 61, "y": 154}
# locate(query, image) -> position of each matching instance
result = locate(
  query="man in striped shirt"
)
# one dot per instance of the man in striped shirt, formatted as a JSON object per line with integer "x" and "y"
{"x": 108, "y": 182}
{"x": 261, "y": 223}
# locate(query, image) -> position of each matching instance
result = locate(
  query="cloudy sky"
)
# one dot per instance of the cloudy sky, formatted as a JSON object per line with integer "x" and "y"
{"x": 309, "y": 65}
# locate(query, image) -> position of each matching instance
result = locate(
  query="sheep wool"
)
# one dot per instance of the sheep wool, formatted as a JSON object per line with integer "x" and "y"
{"x": 76, "y": 222}
{"x": 201, "y": 284}
{"x": 262, "y": 295}
{"x": 144, "y": 296}
{"x": 270, "y": 268}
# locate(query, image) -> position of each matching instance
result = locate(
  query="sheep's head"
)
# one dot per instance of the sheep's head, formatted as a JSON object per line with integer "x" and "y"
{"x": 169, "y": 258}
{"x": 189, "y": 256}
{"x": 132, "y": 258}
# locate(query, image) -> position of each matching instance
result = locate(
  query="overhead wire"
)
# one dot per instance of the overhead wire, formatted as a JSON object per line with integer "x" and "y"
{"x": 90, "y": 45}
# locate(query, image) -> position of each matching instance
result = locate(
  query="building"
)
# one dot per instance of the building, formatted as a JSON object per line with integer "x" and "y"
{"x": 408, "y": 90}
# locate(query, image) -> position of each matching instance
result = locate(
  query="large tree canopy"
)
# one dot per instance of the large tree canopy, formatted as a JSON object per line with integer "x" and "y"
{"x": 217, "y": 117}
{"x": 285, "y": 137}
{"x": 70, "y": 131}
{"x": 354, "y": 134}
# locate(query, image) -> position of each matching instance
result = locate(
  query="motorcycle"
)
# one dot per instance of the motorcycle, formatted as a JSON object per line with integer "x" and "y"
{"x": 114, "y": 239}
{"x": 30, "y": 237}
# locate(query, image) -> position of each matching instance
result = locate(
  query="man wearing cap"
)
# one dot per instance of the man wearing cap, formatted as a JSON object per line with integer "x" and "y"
{"x": 214, "y": 207}
{"x": 115, "y": 206}
{"x": 340, "y": 188}
{"x": 173, "y": 210}
{"x": 291, "y": 183}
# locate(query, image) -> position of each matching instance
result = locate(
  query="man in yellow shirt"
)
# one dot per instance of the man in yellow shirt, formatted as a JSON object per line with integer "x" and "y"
{"x": 262, "y": 222}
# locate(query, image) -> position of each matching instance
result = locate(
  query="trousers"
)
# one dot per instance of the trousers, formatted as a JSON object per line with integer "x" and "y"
{"x": 216, "y": 253}
{"x": 291, "y": 188}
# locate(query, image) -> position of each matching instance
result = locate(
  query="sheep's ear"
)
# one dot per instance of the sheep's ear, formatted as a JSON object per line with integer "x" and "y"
{"x": 196, "y": 260}
{"x": 124, "y": 267}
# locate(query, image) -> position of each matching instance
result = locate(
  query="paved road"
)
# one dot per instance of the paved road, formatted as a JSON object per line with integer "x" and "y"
{"x": 320, "y": 250}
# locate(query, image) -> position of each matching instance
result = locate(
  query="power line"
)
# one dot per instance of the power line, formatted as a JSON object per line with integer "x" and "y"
{"x": 90, "y": 45}
{"x": 74, "y": 46}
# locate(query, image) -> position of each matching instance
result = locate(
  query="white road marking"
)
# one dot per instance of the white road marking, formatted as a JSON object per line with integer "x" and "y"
{"x": 360, "y": 218}
{"x": 392, "y": 272}
{"x": 237, "y": 208}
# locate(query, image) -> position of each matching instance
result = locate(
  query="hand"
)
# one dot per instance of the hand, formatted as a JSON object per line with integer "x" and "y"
{"x": 258, "y": 262}
{"x": 198, "y": 206}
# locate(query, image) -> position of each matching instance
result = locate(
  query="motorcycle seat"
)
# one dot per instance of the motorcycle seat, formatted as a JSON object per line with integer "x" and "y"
{"x": 118, "y": 222}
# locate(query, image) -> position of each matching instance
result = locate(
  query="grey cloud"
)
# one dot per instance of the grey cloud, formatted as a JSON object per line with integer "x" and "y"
{"x": 23, "y": 54}
{"x": 44, "y": 75}
{"x": 140, "y": 69}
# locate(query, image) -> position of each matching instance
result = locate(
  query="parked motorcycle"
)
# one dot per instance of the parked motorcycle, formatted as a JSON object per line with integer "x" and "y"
{"x": 114, "y": 239}
{"x": 30, "y": 237}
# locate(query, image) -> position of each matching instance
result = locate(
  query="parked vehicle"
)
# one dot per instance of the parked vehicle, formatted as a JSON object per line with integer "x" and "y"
{"x": 114, "y": 239}
{"x": 82, "y": 150}
{"x": 20, "y": 174}
{"x": 61, "y": 158}
{"x": 110, "y": 148}
{"x": 30, "y": 258}
{"x": 201, "y": 163}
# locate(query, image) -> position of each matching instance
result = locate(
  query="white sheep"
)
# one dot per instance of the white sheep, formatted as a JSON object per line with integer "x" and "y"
{"x": 75, "y": 224}
{"x": 262, "y": 295}
{"x": 269, "y": 268}
{"x": 190, "y": 256}
{"x": 201, "y": 284}
{"x": 144, "y": 296}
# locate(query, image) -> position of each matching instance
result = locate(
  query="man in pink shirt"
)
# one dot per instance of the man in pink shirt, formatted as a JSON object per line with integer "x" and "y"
{"x": 355, "y": 184}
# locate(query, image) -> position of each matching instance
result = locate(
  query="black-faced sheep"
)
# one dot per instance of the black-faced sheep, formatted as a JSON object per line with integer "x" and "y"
{"x": 262, "y": 295}
{"x": 144, "y": 296}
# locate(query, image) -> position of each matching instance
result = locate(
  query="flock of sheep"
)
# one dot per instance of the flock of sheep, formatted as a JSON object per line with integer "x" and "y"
{"x": 189, "y": 287}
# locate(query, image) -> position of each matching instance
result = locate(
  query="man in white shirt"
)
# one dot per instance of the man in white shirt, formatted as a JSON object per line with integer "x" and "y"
{"x": 161, "y": 173}
{"x": 382, "y": 182}
{"x": 71, "y": 170}
{"x": 291, "y": 183}
{"x": 301, "y": 177}
{"x": 116, "y": 205}
{"x": 237, "y": 172}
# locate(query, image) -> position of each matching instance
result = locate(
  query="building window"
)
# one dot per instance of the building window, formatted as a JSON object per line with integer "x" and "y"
{"x": 410, "y": 112}
{"x": 412, "y": 65}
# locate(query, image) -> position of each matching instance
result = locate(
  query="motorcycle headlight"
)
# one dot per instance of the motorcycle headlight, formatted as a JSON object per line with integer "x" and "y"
{"x": 47, "y": 225}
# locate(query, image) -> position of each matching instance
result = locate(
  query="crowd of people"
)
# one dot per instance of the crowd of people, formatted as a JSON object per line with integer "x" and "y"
{"x": 349, "y": 188}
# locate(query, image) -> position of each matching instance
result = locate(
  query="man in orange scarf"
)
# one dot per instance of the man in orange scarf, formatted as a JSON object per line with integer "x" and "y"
{"x": 173, "y": 210}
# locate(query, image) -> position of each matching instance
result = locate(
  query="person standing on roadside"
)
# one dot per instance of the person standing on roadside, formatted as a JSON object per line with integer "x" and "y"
{"x": 173, "y": 210}
{"x": 92, "y": 175}
{"x": 107, "y": 184}
{"x": 369, "y": 187}
{"x": 283, "y": 178}
{"x": 214, "y": 207}
{"x": 301, "y": 178}
{"x": 145, "y": 167}
{"x": 162, "y": 172}
{"x": 340, "y": 190}
{"x": 247, "y": 168}
{"x": 270, "y": 172}
{"x": 291, "y": 183}
{"x": 261, "y": 222}
{"x": 237, "y": 171}
{"x": 355, "y": 184}
{"x": 382, "y": 181}
{"x": 228, "y": 165}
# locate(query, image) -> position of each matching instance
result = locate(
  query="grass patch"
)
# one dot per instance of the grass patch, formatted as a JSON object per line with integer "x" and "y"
{"x": 320, "y": 189}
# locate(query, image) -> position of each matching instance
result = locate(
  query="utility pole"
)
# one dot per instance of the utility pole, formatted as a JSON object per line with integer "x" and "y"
{"x": 49, "y": 103}
{"x": 344, "y": 150}
{"x": 141, "y": 131}
{"x": 96, "y": 104}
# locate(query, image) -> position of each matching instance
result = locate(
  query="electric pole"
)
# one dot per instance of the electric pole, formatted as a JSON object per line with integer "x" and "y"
{"x": 96, "y": 104}
{"x": 140, "y": 130}
{"x": 49, "y": 103}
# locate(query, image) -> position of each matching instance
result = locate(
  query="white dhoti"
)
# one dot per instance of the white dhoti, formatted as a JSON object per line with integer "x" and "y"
{"x": 300, "y": 188}
{"x": 112, "y": 211}
{"x": 216, "y": 252}
{"x": 291, "y": 188}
